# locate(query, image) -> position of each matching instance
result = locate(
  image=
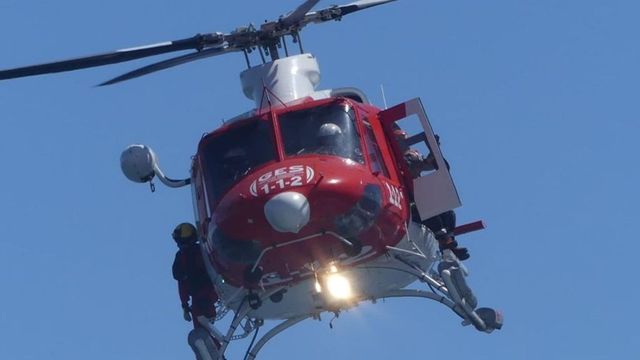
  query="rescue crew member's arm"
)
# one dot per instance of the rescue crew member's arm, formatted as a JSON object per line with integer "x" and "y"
{"x": 179, "y": 274}
{"x": 429, "y": 163}
{"x": 184, "y": 297}
{"x": 183, "y": 290}
{"x": 418, "y": 163}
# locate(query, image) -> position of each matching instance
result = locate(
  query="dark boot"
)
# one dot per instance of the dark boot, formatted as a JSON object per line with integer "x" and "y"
{"x": 446, "y": 241}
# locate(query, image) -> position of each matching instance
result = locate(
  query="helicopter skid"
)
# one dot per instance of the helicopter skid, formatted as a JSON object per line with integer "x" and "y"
{"x": 488, "y": 318}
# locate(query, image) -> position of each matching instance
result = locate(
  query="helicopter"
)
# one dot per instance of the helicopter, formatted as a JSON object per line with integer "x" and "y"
{"x": 291, "y": 225}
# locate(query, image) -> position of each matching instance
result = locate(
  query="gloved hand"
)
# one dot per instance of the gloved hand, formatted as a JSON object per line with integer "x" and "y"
{"x": 461, "y": 253}
{"x": 186, "y": 313}
{"x": 449, "y": 243}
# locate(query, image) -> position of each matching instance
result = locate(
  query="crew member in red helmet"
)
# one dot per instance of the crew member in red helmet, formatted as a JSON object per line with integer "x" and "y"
{"x": 193, "y": 282}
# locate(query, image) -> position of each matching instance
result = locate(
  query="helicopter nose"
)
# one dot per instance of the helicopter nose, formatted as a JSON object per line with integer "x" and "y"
{"x": 287, "y": 212}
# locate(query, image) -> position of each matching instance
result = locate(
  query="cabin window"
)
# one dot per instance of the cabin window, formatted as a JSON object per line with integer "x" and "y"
{"x": 235, "y": 152}
{"x": 375, "y": 156}
{"x": 325, "y": 130}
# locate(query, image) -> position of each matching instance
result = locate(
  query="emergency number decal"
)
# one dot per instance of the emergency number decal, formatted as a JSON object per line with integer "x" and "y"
{"x": 282, "y": 178}
{"x": 395, "y": 195}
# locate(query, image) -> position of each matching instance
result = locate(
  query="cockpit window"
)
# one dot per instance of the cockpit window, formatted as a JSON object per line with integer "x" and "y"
{"x": 232, "y": 154}
{"x": 325, "y": 130}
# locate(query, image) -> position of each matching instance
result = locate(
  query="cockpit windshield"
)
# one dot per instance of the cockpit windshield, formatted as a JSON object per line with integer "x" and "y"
{"x": 235, "y": 152}
{"x": 325, "y": 130}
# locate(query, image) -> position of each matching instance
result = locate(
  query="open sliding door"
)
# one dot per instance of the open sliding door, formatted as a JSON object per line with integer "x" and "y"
{"x": 433, "y": 191}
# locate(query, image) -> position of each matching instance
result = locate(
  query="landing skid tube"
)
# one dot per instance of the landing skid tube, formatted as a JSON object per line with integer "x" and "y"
{"x": 410, "y": 293}
{"x": 263, "y": 340}
{"x": 273, "y": 332}
{"x": 458, "y": 296}
{"x": 460, "y": 309}
{"x": 241, "y": 314}
{"x": 448, "y": 286}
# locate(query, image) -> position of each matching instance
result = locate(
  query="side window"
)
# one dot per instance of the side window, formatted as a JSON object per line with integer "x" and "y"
{"x": 375, "y": 156}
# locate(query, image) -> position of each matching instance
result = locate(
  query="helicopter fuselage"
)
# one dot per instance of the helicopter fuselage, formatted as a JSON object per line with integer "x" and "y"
{"x": 340, "y": 205}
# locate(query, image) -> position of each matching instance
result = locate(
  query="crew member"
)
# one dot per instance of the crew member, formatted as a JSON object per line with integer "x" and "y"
{"x": 441, "y": 225}
{"x": 330, "y": 140}
{"x": 235, "y": 164}
{"x": 193, "y": 281}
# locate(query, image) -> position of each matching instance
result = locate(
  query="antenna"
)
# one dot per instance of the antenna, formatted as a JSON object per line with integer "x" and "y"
{"x": 384, "y": 99}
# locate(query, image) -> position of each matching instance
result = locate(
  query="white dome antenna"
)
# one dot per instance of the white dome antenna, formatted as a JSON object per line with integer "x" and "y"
{"x": 139, "y": 164}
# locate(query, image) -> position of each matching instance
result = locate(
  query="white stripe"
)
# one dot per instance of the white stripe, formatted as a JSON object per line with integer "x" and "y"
{"x": 146, "y": 46}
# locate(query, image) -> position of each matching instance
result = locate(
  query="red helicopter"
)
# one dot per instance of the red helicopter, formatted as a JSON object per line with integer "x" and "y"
{"x": 304, "y": 204}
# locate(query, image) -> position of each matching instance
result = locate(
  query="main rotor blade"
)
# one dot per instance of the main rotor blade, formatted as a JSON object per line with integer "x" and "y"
{"x": 299, "y": 13}
{"x": 162, "y": 65}
{"x": 117, "y": 56}
{"x": 336, "y": 12}
{"x": 361, "y": 5}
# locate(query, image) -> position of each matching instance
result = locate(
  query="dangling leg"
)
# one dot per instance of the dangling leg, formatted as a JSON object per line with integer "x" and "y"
{"x": 203, "y": 339}
{"x": 204, "y": 312}
{"x": 442, "y": 227}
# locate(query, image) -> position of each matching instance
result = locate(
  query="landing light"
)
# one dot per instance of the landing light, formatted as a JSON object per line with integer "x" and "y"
{"x": 338, "y": 286}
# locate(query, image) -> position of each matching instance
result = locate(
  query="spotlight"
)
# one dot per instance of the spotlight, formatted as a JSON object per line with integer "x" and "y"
{"x": 338, "y": 286}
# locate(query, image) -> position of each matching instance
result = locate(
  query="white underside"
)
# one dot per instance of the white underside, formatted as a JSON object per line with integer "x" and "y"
{"x": 369, "y": 280}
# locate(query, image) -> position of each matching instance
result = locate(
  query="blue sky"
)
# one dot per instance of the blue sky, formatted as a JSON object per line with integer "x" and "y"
{"x": 536, "y": 104}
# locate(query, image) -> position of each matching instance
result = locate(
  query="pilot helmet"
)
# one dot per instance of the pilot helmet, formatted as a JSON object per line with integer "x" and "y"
{"x": 329, "y": 133}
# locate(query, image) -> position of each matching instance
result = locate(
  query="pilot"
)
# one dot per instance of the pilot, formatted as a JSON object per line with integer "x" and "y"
{"x": 193, "y": 281}
{"x": 441, "y": 225}
{"x": 235, "y": 164}
{"x": 330, "y": 140}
